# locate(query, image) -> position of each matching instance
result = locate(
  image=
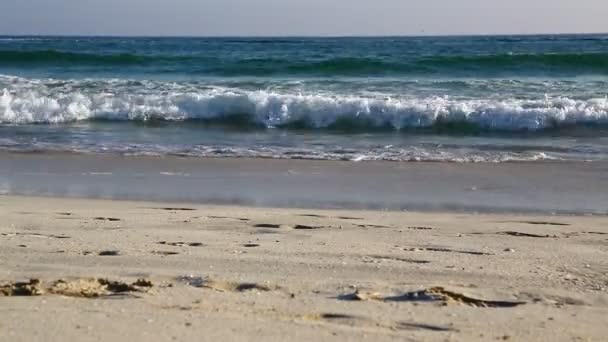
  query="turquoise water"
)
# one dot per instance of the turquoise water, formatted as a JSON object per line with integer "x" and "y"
{"x": 404, "y": 99}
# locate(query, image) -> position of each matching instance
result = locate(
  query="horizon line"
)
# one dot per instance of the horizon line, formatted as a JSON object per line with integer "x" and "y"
{"x": 309, "y": 36}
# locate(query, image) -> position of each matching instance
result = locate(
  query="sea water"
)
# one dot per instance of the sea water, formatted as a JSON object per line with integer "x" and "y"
{"x": 459, "y": 99}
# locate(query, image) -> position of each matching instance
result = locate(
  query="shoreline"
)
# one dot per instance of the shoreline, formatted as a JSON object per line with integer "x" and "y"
{"x": 568, "y": 188}
{"x": 236, "y": 205}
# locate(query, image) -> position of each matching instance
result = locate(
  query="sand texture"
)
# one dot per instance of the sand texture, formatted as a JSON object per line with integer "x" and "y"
{"x": 94, "y": 270}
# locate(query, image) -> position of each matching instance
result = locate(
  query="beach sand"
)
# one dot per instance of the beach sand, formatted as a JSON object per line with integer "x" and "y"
{"x": 93, "y": 270}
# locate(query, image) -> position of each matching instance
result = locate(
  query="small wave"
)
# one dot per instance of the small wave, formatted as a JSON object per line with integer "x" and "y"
{"x": 53, "y": 57}
{"x": 26, "y": 58}
{"x": 412, "y": 154}
{"x": 387, "y": 153}
{"x": 596, "y": 63}
{"x": 203, "y": 64}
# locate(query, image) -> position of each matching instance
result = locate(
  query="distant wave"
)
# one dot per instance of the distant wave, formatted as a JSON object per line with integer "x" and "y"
{"x": 24, "y": 101}
{"x": 558, "y": 61}
{"x": 49, "y": 57}
{"x": 356, "y": 66}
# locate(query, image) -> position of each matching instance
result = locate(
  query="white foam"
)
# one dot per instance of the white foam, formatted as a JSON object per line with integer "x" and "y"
{"x": 24, "y": 101}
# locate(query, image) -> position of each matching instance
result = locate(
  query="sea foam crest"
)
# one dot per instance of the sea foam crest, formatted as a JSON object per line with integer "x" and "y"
{"x": 36, "y": 102}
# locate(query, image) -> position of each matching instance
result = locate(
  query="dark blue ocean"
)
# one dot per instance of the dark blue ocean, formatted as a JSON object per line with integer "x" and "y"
{"x": 485, "y": 99}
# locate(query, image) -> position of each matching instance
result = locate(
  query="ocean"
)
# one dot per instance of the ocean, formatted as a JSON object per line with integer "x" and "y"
{"x": 445, "y": 99}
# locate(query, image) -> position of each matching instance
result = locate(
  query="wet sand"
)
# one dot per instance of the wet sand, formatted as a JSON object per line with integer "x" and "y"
{"x": 84, "y": 269}
{"x": 535, "y": 187}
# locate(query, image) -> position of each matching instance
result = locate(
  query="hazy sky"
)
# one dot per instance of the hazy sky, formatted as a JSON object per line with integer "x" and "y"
{"x": 301, "y": 17}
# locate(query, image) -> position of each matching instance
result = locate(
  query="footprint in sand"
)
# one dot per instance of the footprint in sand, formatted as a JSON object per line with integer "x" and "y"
{"x": 223, "y": 286}
{"x": 351, "y": 320}
{"x": 305, "y": 227}
{"x": 175, "y": 209}
{"x": 181, "y": 244}
{"x": 434, "y": 294}
{"x": 164, "y": 253}
{"x": 420, "y": 228}
{"x": 109, "y": 219}
{"x": 337, "y": 318}
{"x": 596, "y": 233}
{"x": 93, "y": 288}
{"x": 85, "y": 288}
{"x": 47, "y": 236}
{"x": 69, "y": 217}
{"x": 372, "y": 226}
{"x": 375, "y": 258}
{"x": 109, "y": 253}
{"x": 422, "y": 326}
{"x": 229, "y": 218}
{"x": 545, "y": 223}
{"x": 312, "y": 215}
{"x": 519, "y": 234}
{"x": 267, "y": 225}
{"x": 30, "y": 288}
{"x": 297, "y": 226}
{"x": 444, "y": 250}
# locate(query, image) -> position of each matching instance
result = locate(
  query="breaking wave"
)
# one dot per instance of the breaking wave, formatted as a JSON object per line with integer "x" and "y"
{"x": 24, "y": 101}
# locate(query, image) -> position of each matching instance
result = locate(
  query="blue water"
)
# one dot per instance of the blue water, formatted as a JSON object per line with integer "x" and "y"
{"x": 490, "y": 99}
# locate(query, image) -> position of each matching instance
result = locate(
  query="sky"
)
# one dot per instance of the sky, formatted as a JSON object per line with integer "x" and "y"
{"x": 301, "y": 17}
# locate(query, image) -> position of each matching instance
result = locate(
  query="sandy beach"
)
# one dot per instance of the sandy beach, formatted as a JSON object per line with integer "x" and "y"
{"x": 93, "y": 270}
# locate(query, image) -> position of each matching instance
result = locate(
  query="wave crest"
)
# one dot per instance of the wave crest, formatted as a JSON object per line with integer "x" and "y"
{"x": 268, "y": 109}
{"x": 26, "y": 101}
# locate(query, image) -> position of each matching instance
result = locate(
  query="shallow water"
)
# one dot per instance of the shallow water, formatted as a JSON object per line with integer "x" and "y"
{"x": 529, "y": 187}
